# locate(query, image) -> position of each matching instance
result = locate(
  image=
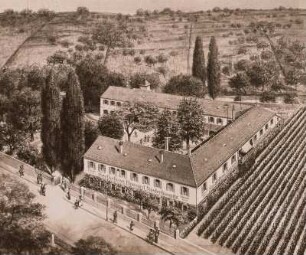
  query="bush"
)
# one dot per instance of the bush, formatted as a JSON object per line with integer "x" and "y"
{"x": 242, "y": 50}
{"x": 162, "y": 58}
{"x": 137, "y": 60}
{"x": 65, "y": 43}
{"x": 290, "y": 98}
{"x": 226, "y": 70}
{"x": 52, "y": 39}
{"x": 29, "y": 155}
{"x": 142, "y": 52}
{"x": 266, "y": 54}
{"x": 150, "y": 60}
{"x": 173, "y": 53}
{"x": 78, "y": 47}
{"x": 101, "y": 48}
{"x": 267, "y": 97}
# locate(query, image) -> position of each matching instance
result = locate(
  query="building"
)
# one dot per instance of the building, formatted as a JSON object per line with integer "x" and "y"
{"x": 184, "y": 179}
{"x": 217, "y": 113}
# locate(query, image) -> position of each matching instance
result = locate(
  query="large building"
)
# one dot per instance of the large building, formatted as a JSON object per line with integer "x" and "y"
{"x": 217, "y": 113}
{"x": 175, "y": 177}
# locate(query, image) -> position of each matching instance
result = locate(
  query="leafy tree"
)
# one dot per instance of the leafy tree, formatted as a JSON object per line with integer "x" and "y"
{"x": 267, "y": 97}
{"x": 22, "y": 229}
{"x": 50, "y": 121}
{"x": 72, "y": 127}
{"x": 191, "y": 120}
{"x": 240, "y": 82}
{"x": 116, "y": 79}
{"x": 82, "y": 11}
{"x": 111, "y": 36}
{"x": 59, "y": 57}
{"x": 110, "y": 125}
{"x": 93, "y": 245}
{"x": 198, "y": 66}
{"x": 138, "y": 79}
{"x": 25, "y": 111}
{"x": 185, "y": 85}
{"x": 167, "y": 126}
{"x": 9, "y": 81}
{"x": 138, "y": 116}
{"x": 4, "y": 106}
{"x": 213, "y": 69}
{"x": 242, "y": 65}
{"x": 290, "y": 98}
{"x": 29, "y": 154}
{"x": 162, "y": 58}
{"x": 150, "y": 60}
{"x": 91, "y": 133}
{"x": 173, "y": 215}
{"x": 11, "y": 137}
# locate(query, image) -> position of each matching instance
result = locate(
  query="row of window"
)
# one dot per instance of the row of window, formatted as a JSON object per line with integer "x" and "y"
{"x": 219, "y": 121}
{"x": 215, "y": 175}
{"x": 261, "y": 132}
{"x": 134, "y": 177}
{"x": 111, "y": 102}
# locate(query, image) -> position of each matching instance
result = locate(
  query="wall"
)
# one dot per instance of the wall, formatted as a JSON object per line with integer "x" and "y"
{"x": 176, "y": 195}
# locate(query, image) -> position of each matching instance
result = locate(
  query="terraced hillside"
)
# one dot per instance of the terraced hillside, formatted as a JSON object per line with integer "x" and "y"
{"x": 265, "y": 211}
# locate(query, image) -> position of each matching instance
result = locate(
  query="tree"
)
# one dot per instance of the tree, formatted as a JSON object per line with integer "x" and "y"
{"x": 82, "y": 11}
{"x": 198, "y": 66}
{"x": 167, "y": 126}
{"x": 50, "y": 121}
{"x": 9, "y": 81}
{"x": 191, "y": 120}
{"x": 139, "y": 79}
{"x": 25, "y": 111}
{"x": 11, "y": 137}
{"x": 4, "y": 105}
{"x": 240, "y": 82}
{"x": 173, "y": 215}
{"x": 59, "y": 57}
{"x": 110, "y": 125}
{"x": 21, "y": 219}
{"x": 138, "y": 116}
{"x": 213, "y": 69}
{"x": 91, "y": 133}
{"x": 93, "y": 245}
{"x": 72, "y": 127}
{"x": 111, "y": 36}
{"x": 150, "y": 60}
{"x": 267, "y": 97}
{"x": 185, "y": 85}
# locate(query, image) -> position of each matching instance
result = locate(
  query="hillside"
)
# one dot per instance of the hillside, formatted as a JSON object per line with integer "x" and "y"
{"x": 264, "y": 212}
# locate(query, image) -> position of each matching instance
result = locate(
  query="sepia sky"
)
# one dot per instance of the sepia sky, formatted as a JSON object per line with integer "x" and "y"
{"x": 129, "y": 6}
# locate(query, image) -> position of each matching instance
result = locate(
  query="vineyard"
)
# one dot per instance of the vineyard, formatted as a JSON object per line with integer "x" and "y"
{"x": 264, "y": 212}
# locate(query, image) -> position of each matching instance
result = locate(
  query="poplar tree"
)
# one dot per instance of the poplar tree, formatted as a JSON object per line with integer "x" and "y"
{"x": 213, "y": 69}
{"x": 50, "y": 121}
{"x": 198, "y": 66}
{"x": 73, "y": 127}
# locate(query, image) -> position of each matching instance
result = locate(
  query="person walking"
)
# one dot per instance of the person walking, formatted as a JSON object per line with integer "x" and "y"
{"x": 76, "y": 203}
{"x": 21, "y": 170}
{"x": 115, "y": 217}
{"x": 132, "y": 225}
{"x": 156, "y": 235}
{"x": 39, "y": 178}
{"x": 68, "y": 194}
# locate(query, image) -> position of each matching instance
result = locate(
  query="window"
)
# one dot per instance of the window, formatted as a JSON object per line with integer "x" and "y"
{"x": 101, "y": 168}
{"x": 272, "y": 122}
{"x": 251, "y": 142}
{"x": 134, "y": 177}
{"x": 184, "y": 191}
{"x": 219, "y": 121}
{"x": 170, "y": 187}
{"x": 91, "y": 165}
{"x": 119, "y": 104}
{"x": 225, "y": 167}
{"x": 146, "y": 180}
{"x": 261, "y": 131}
{"x": 122, "y": 174}
{"x": 266, "y": 126}
{"x": 157, "y": 183}
{"x": 105, "y": 111}
{"x": 211, "y": 119}
{"x": 112, "y": 171}
{"x": 214, "y": 177}
{"x": 105, "y": 101}
{"x": 112, "y": 102}
{"x": 204, "y": 187}
{"x": 233, "y": 159}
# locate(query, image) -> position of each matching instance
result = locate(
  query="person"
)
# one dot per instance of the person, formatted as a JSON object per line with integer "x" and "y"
{"x": 132, "y": 225}
{"x": 43, "y": 189}
{"x": 115, "y": 216}
{"x": 156, "y": 234}
{"x": 39, "y": 178}
{"x": 21, "y": 170}
{"x": 68, "y": 194}
{"x": 150, "y": 236}
{"x": 77, "y": 203}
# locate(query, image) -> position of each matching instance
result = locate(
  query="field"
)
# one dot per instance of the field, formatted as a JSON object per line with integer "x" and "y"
{"x": 264, "y": 212}
{"x": 166, "y": 34}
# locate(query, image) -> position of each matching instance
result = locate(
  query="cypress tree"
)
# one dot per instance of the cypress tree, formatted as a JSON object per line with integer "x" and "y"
{"x": 213, "y": 69}
{"x": 73, "y": 127}
{"x": 50, "y": 121}
{"x": 198, "y": 66}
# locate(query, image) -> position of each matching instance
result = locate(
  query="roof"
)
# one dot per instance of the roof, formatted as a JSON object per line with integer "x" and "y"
{"x": 141, "y": 159}
{"x": 162, "y": 100}
{"x": 206, "y": 159}
{"x": 183, "y": 169}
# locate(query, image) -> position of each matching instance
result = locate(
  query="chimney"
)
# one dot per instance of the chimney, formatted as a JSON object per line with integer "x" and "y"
{"x": 120, "y": 147}
{"x": 161, "y": 152}
{"x": 167, "y": 138}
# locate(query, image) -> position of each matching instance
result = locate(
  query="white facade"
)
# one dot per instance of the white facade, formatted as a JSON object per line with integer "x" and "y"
{"x": 156, "y": 186}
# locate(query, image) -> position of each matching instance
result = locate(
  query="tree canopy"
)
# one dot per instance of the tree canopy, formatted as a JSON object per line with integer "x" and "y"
{"x": 110, "y": 125}
{"x": 93, "y": 245}
{"x": 198, "y": 66}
